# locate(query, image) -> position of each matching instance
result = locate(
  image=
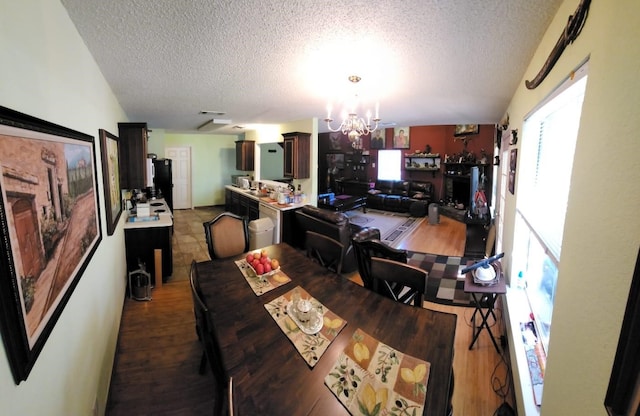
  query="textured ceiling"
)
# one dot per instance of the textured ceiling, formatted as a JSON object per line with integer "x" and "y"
{"x": 426, "y": 62}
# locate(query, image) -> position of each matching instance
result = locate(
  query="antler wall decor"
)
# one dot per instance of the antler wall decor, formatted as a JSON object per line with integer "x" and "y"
{"x": 574, "y": 26}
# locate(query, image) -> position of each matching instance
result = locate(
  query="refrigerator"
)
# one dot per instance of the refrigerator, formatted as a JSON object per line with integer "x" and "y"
{"x": 162, "y": 180}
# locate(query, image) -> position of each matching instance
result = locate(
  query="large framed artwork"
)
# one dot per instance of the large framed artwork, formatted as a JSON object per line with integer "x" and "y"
{"x": 49, "y": 227}
{"x": 466, "y": 129}
{"x": 110, "y": 178}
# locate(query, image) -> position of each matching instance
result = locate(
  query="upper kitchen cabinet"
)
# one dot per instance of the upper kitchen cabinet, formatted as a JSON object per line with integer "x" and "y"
{"x": 297, "y": 151}
{"x": 245, "y": 151}
{"x": 133, "y": 155}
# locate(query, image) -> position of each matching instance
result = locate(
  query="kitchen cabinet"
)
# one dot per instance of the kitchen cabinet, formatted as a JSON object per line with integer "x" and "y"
{"x": 141, "y": 244}
{"x": 133, "y": 155}
{"x": 243, "y": 205}
{"x": 297, "y": 155}
{"x": 245, "y": 155}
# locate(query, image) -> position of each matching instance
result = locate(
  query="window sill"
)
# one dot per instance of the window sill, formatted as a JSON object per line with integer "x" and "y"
{"x": 516, "y": 310}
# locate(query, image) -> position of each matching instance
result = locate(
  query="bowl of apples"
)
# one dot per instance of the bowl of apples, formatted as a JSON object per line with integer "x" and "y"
{"x": 261, "y": 263}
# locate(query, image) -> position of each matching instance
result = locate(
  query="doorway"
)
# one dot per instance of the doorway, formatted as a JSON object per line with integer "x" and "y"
{"x": 181, "y": 176}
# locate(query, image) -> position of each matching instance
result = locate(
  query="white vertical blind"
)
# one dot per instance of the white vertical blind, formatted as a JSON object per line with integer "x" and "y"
{"x": 548, "y": 147}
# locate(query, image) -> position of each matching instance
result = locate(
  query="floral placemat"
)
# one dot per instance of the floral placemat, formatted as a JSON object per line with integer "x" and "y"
{"x": 310, "y": 347}
{"x": 371, "y": 378}
{"x": 263, "y": 283}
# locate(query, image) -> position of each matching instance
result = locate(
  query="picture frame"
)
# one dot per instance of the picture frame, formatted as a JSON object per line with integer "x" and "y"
{"x": 109, "y": 147}
{"x": 378, "y": 139}
{"x": 401, "y": 138}
{"x": 466, "y": 129}
{"x": 622, "y": 397}
{"x": 513, "y": 161}
{"x": 49, "y": 226}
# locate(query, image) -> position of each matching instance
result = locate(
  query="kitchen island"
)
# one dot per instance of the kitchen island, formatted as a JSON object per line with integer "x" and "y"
{"x": 148, "y": 241}
{"x": 254, "y": 205}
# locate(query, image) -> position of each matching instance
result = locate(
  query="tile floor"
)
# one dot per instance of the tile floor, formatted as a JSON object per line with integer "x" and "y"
{"x": 188, "y": 238}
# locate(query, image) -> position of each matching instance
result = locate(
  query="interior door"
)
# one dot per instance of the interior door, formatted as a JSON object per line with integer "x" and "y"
{"x": 181, "y": 175}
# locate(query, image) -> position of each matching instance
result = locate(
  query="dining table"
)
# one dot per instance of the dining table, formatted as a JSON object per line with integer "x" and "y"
{"x": 270, "y": 377}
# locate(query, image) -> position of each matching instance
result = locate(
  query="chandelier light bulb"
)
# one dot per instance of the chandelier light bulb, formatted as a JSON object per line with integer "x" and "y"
{"x": 353, "y": 126}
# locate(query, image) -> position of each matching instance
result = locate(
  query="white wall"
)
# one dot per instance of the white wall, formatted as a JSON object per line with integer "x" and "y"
{"x": 602, "y": 231}
{"x": 48, "y": 73}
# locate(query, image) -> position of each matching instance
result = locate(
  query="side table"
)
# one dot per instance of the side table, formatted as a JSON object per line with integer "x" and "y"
{"x": 484, "y": 298}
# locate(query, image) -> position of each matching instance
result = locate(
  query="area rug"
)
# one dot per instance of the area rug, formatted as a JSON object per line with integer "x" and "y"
{"x": 394, "y": 227}
{"x": 445, "y": 283}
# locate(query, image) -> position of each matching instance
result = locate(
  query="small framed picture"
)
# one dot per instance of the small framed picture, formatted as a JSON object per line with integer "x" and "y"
{"x": 401, "y": 138}
{"x": 378, "y": 139}
{"x": 466, "y": 129}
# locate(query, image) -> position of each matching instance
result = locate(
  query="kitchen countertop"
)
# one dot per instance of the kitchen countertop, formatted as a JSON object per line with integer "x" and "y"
{"x": 265, "y": 199}
{"x": 165, "y": 218}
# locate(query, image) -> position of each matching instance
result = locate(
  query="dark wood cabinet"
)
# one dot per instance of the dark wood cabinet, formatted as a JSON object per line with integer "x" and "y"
{"x": 241, "y": 205}
{"x": 245, "y": 154}
{"x": 476, "y": 239}
{"x": 133, "y": 155}
{"x": 141, "y": 244}
{"x": 297, "y": 155}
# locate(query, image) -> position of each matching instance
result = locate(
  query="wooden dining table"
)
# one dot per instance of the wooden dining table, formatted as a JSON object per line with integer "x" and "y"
{"x": 270, "y": 377}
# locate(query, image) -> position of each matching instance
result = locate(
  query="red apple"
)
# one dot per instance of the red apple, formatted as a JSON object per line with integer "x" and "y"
{"x": 267, "y": 267}
{"x": 249, "y": 258}
{"x": 264, "y": 259}
{"x": 260, "y": 268}
{"x": 255, "y": 263}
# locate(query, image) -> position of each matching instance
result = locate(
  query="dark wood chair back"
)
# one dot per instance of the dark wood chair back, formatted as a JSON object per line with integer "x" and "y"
{"x": 324, "y": 250}
{"x": 227, "y": 235}
{"x": 399, "y": 281}
{"x": 211, "y": 348}
{"x": 366, "y": 249}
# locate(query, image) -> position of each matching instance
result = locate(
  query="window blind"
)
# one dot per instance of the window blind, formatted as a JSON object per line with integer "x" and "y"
{"x": 548, "y": 148}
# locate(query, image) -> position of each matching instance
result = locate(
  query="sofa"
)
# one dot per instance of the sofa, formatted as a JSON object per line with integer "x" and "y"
{"x": 335, "y": 225}
{"x": 401, "y": 196}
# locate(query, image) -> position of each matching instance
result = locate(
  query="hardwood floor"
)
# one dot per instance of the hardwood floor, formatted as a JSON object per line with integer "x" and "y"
{"x": 158, "y": 353}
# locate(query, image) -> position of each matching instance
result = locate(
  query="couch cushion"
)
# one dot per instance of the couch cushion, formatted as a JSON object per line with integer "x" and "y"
{"x": 384, "y": 186}
{"x": 337, "y": 218}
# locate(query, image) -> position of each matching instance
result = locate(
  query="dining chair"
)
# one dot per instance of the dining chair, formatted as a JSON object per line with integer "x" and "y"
{"x": 366, "y": 249}
{"x": 227, "y": 235}
{"x": 211, "y": 348}
{"x": 399, "y": 281}
{"x": 324, "y": 250}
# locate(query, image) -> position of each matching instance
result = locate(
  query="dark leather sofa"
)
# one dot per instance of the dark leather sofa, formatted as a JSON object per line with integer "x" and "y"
{"x": 335, "y": 225}
{"x": 399, "y": 196}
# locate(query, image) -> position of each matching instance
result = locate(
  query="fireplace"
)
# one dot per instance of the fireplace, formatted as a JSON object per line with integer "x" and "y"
{"x": 458, "y": 190}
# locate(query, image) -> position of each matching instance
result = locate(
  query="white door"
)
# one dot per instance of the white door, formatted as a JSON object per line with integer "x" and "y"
{"x": 181, "y": 175}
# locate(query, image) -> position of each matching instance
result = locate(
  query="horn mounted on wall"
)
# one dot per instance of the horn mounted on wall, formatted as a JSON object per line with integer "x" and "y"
{"x": 574, "y": 26}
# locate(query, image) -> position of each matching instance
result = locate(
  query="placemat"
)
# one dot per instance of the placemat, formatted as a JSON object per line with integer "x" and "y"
{"x": 370, "y": 378}
{"x": 310, "y": 347}
{"x": 264, "y": 283}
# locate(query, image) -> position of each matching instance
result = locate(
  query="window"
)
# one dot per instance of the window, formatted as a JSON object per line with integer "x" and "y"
{"x": 544, "y": 181}
{"x": 389, "y": 163}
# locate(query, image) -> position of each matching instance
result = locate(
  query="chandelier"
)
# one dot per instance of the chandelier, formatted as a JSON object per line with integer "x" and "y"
{"x": 353, "y": 126}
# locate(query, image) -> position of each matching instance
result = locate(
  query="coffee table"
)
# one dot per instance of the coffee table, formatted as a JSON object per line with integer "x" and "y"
{"x": 342, "y": 203}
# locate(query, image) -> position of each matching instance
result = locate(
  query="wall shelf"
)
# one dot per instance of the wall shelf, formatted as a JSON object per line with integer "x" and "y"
{"x": 422, "y": 162}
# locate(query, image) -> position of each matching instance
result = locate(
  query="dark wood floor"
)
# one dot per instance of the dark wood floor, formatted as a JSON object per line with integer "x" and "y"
{"x": 158, "y": 353}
